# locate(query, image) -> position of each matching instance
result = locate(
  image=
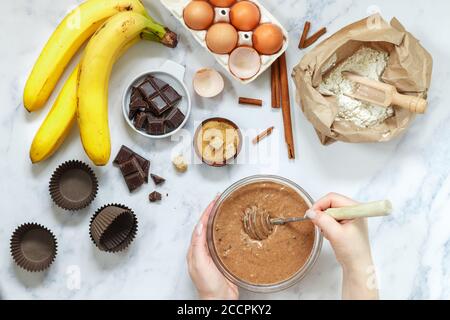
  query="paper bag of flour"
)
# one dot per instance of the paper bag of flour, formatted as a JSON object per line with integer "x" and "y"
{"x": 409, "y": 69}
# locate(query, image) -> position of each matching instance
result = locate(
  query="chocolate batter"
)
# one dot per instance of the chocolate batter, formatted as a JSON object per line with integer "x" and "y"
{"x": 269, "y": 261}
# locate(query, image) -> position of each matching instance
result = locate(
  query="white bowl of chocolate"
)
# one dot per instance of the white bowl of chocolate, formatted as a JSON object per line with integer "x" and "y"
{"x": 217, "y": 141}
{"x": 267, "y": 258}
{"x": 157, "y": 103}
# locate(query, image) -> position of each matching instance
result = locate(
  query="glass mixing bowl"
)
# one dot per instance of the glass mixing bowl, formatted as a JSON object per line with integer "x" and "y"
{"x": 300, "y": 274}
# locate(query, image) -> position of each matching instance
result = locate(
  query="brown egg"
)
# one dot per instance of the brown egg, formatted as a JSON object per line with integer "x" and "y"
{"x": 245, "y": 16}
{"x": 222, "y": 3}
{"x": 222, "y": 38}
{"x": 198, "y": 15}
{"x": 268, "y": 39}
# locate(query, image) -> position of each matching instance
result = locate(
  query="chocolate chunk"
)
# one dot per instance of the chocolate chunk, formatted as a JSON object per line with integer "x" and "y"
{"x": 155, "y": 127}
{"x": 132, "y": 113}
{"x": 140, "y": 121}
{"x": 154, "y": 196}
{"x": 130, "y": 166}
{"x": 157, "y": 83}
{"x": 138, "y": 103}
{"x": 175, "y": 118}
{"x": 136, "y": 106}
{"x": 134, "y": 181}
{"x": 157, "y": 179}
{"x": 171, "y": 96}
{"x": 133, "y": 173}
{"x": 158, "y": 105}
{"x": 124, "y": 154}
{"x": 145, "y": 165}
{"x": 147, "y": 90}
{"x": 135, "y": 94}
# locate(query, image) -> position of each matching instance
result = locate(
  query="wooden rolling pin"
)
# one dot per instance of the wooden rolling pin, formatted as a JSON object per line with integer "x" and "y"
{"x": 383, "y": 94}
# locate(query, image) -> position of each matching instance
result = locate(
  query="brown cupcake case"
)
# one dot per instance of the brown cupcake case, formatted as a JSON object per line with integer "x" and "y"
{"x": 113, "y": 227}
{"x": 73, "y": 185}
{"x": 33, "y": 247}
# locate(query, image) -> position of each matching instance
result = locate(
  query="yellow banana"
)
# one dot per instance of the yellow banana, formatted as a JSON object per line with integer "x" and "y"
{"x": 60, "y": 119}
{"x": 94, "y": 73}
{"x": 58, "y": 122}
{"x": 65, "y": 41}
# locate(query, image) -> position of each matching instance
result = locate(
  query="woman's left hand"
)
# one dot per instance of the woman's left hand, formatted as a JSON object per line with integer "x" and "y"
{"x": 211, "y": 284}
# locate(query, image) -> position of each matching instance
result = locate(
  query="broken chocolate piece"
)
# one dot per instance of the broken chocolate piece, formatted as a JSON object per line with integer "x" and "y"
{"x": 136, "y": 106}
{"x": 125, "y": 154}
{"x": 133, "y": 174}
{"x": 138, "y": 103}
{"x": 175, "y": 118}
{"x": 134, "y": 181}
{"x": 171, "y": 96}
{"x": 154, "y": 196}
{"x": 157, "y": 83}
{"x": 145, "y": 165}
{"x": 157, "y": 179}
{"x": 147, "y": 90}
{"x": 140, "y": 121}
{"x": 155, "y": 127}
{"x": 135, "y": 94}
{"x": 158, "y": 105}
{"x": 130, "y": 166}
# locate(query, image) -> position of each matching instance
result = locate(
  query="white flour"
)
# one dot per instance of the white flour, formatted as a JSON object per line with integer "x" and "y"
{"x": 368, "y": 63}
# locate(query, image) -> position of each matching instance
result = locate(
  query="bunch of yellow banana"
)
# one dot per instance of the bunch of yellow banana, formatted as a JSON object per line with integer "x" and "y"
{"x": 114, "y": 26}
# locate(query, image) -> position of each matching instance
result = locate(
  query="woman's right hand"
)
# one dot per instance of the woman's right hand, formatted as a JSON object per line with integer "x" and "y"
{"x": 350, "y": 242}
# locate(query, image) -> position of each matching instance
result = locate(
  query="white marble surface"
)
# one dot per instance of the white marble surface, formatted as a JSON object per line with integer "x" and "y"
{"x": 411, "y": 249}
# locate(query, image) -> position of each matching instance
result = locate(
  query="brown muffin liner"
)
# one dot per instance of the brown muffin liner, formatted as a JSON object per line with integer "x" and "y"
{"x": 47, "y": 242}
{"x": 113, "y": 227}
{"x": 54, "y": 186}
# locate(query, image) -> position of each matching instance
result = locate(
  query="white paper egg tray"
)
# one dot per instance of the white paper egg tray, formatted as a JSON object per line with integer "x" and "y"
{"x": 176, "y": 7}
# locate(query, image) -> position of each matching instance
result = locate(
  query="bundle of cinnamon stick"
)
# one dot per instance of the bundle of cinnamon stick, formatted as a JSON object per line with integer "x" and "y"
{"x": 281, "y": 98}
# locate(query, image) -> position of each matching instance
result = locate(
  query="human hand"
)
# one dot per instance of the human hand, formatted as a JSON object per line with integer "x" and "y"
{"x": 349, "y": 239}
{"x": 350, "y": 242}
{"x": 211, "y": 284}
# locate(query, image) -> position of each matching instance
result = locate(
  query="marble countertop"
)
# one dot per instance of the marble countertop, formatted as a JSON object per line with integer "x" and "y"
{"x": 411, "y": 249}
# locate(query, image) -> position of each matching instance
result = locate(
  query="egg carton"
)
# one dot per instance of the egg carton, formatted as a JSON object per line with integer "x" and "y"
{"x": 176, "y": 7}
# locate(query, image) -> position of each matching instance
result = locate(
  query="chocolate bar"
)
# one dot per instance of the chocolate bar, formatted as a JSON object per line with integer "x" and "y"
{"x": 125, "y": 154}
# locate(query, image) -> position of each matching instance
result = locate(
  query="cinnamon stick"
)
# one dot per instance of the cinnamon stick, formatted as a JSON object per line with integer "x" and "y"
{"x": 250, "y": 101}
{"x": 306, "y": 29}
{"x": 286, "y": 107}
{"x": 263, "y": 135}
{"x": 275, "y": 82}
{"x": 311, "y": 40}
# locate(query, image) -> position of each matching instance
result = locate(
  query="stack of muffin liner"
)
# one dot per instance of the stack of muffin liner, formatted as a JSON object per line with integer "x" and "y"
{"x": 33, "y": 247}
{"x": 55, "y": 186}
{"x": 113, "y": 227}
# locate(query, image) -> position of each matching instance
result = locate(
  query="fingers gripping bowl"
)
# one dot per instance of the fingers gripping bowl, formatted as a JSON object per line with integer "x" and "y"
{"x": 276, "y": 263}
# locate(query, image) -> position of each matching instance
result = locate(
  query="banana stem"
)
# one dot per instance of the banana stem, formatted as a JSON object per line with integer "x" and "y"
{"x": 159, "y": 33}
